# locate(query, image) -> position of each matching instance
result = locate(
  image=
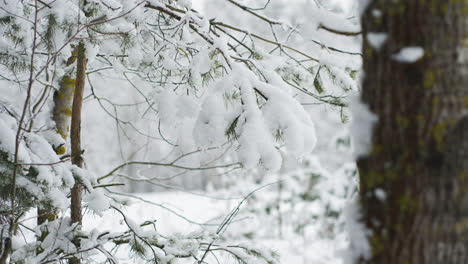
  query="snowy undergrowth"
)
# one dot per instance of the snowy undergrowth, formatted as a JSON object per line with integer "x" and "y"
{"x": 205, "y": 213}
{"x": 196, "y": 97}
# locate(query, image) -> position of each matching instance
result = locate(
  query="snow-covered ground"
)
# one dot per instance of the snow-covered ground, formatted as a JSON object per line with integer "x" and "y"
{"x": 180, "y": 212}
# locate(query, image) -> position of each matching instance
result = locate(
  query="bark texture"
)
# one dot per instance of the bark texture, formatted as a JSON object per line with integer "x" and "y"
{"x": 75, "y": 137}
{"x": 63, "y": 100}
{"x": 419, "y": 154}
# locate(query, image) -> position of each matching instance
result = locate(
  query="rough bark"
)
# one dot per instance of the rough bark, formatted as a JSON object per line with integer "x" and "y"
{"x": 419, "y": 154}
{"x": 75, "y": 137}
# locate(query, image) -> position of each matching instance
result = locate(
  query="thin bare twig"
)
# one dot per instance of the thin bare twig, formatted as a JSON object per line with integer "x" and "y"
{"x": 164, "y": 165}
{"x": 339, "y": 32}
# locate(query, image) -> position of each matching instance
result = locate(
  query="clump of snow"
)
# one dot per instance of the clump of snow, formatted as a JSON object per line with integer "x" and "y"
{"x": 201, "y": 62}
{"x": 361, "y": 126}
{"x": 155, "y": 3}
{"x": 7, "y": 133}
{"x": 97, "y": 201}
{"x": 358, "y": 234}
{"x": 376, "y": 40}
{"x": 257, "y": 144}
{"x": 380, "y": 194}
{"x": 376, "y": 13}
{"x": 33, "y": 188}
{"x": 211, "y": 123}
{"x": 91, "y": 51}
{"x": 185, "y": 3}
{"x": 186, "y": 106}
{"x": 59, "y": 199}
{"x": 335, "y": 21}
{"x": 85, "y": 177}
{"x": 257, "y": 129}
{"x": 409, "y": 54}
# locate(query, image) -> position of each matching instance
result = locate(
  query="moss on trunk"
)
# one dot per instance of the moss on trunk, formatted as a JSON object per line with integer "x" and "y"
{"x": 419, "y": 147}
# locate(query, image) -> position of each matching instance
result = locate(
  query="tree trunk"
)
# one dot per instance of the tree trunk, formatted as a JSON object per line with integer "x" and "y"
{"x": 63, "y": 100}
{"x": 414, "y": 181}
{"x": 75, "y": 137}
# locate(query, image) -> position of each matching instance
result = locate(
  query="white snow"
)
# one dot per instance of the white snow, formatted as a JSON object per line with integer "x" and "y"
{"x": 380, "y": 194}
{"x": 376, "y": 13}
{"x": 7, "y": 133}
{"x": 201, "y": 209}
{"x": 97, "y": 201}
{"x": 362, "y": 123}
{"x": 376, "y": 39}
{"x": 165, "y": 95}
{"x": 358, "y": 233}
{"x": 409, "y": 54}
{"x": 185, "y": 3}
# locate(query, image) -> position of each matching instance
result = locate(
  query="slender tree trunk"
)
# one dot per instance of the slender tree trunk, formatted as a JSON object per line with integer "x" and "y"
{"x": 75, "y": 137}
{"x": 414, "y": 181}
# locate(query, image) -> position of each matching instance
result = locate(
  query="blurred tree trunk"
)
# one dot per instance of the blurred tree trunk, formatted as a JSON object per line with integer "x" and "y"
{"x": 414, "y": 181}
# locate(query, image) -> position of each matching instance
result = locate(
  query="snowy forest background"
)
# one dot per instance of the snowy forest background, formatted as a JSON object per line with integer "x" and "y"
{"x": 212, "y": 132}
